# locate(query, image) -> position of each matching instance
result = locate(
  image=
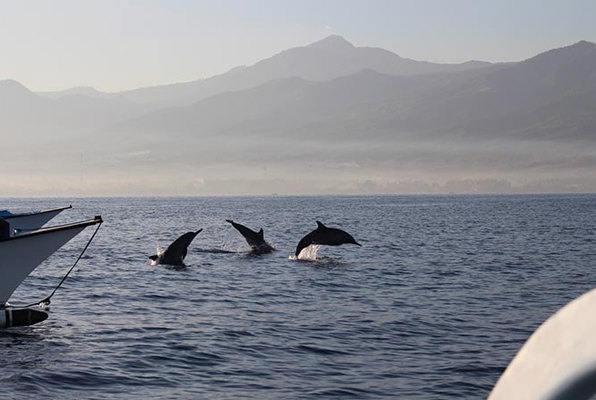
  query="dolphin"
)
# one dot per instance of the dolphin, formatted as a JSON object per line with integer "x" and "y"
{"x": 176, "y": 252}
{"x": 255, "y": 240}
{"x": 327, "y": 236}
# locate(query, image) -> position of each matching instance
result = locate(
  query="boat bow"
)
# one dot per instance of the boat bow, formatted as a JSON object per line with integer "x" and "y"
{"x": 21, "y": 254}
{"x": 30, "y": 221}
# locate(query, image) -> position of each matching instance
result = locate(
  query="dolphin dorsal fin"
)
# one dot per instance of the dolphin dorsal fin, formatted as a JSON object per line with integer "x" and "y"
{"x": 261, "y": 233}
{"x": 320, "y": 225}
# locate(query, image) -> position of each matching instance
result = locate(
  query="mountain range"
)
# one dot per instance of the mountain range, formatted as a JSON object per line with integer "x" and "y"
{"x": 325, "y": 118}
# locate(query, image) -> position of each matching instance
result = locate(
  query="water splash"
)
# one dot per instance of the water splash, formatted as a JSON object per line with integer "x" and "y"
{"x": 308, "y": 253}
{"x": 159, "y": 250}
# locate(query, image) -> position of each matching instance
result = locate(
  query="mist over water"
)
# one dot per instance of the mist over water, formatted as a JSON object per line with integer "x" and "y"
{"x": 434, "y": 305}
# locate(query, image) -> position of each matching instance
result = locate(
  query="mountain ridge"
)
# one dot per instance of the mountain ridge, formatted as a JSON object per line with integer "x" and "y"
{"x": 322, "y": 60}
{"x": 533, "y": 118}
{"x": 463, "y": 103}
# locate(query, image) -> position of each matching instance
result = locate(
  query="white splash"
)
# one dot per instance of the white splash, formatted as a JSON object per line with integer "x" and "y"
{"x": 158, "y": 252}
{"x": 308, "y": 253}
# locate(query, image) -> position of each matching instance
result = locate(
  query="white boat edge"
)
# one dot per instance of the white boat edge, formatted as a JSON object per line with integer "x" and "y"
{"x": 30, "y": 221}
{"x": 21, "y": 254}
{"x": 558, "y": 362}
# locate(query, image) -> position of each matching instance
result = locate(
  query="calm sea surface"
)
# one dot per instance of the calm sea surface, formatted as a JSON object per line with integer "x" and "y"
{"x": 434, "y": 305}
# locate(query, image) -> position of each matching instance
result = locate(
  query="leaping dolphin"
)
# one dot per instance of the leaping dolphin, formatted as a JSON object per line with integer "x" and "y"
{"x": 326, "y": 236}
{"x": 176, "y": 252}
{"x": 255, "y": 240}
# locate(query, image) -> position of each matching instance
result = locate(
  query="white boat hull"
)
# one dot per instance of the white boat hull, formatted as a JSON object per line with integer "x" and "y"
{"x": 558, "y": 362}
{"x": 20, "y": 255}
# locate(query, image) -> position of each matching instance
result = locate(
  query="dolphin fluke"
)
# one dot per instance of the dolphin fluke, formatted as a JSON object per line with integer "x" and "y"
{"x": 325, "y": 236}
{"x": 255, "y": 240}
{"x": 176, "y": 252}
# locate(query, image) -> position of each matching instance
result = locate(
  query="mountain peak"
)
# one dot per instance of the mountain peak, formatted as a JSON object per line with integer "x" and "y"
{"x": 583, "y": 43}
{"x": 582, "y": 46}
{"x": 566, "y": 55}
{"x": 9, "y": 88}
{"x": 11, "y": 84}
{"x": 333, "y": 42}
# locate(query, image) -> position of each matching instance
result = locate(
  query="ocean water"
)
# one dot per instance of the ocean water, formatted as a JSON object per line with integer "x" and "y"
{"x": 434, "y": 305}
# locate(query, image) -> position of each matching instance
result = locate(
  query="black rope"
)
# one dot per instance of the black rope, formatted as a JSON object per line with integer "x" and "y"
{"x": 47, "y": 301}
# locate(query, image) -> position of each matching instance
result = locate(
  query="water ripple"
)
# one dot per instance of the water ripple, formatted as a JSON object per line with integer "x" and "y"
{"x": 441, "y": 295}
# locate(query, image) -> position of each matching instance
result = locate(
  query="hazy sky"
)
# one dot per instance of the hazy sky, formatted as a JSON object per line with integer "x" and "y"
{"x": 117, "y": 45}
